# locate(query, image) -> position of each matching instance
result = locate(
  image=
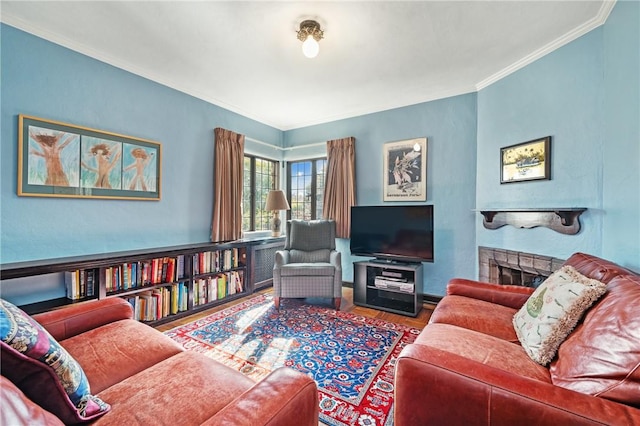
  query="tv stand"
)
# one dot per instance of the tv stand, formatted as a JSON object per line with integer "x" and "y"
{"x": 388, "y": 285}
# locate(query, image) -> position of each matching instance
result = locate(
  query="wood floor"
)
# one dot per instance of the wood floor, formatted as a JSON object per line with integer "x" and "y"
{"x": 347, "y": 306}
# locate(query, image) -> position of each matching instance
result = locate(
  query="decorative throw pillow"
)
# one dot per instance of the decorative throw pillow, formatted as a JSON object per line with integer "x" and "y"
{"x": 553, "y": 310}
{"x": 44, "y": 370}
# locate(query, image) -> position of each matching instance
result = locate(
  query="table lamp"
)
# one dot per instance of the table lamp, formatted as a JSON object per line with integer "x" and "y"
{"x": 276, "y": 201}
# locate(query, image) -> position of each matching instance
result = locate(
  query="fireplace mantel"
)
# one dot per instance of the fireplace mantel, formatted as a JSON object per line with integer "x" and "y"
{"x": 562, "y": 220}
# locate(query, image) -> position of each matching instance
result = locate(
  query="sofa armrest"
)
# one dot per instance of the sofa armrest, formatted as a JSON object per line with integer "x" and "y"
{"x": 17, "y": 409}
{"x": 282, "y": 258}
{"x": 80, "y": 317}
{"x": 335, "y": 259}
{"x": 513, "y": 296}
{"x": 284, "y": 398}
{"x": 437, "y": 387}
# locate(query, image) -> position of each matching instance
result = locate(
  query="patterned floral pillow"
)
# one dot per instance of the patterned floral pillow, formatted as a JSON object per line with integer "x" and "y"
{"x": 553, "y": 310}
{"x": 44, "y": 370}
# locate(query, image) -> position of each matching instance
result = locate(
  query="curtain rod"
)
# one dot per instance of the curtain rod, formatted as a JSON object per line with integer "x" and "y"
{"x": 283, "y": 149}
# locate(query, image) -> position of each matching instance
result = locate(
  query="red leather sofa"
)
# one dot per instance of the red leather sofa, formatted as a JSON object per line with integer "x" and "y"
{"x": 467, "y": 366}
{"x": 148, "y": 379}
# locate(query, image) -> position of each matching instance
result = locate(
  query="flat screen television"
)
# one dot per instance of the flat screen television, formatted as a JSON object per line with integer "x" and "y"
{"x": 393, "y": 233}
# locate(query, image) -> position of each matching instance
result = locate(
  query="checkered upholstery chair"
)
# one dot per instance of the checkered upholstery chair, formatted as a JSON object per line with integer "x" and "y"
{"x": 309, "y": 265}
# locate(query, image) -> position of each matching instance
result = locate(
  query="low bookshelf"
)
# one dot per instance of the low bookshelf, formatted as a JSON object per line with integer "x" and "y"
{"x": 388, "y": 286}
{"x": 162, "y": 284}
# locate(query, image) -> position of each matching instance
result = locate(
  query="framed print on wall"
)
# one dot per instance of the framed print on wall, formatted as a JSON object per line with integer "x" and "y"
{"x": 405, "y": 170}
{"x": 526, "y": 161}
{"x": 62, "y": 160}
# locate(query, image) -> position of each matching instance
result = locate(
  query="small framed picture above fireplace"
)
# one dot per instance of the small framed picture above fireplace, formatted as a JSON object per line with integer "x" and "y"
{"x": 526, "y": 161}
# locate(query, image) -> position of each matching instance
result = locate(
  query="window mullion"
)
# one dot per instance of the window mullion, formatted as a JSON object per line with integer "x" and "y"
{"x": 313, "y": 190}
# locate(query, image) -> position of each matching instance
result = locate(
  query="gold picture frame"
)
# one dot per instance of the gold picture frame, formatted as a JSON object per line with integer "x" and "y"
{"x": 58, "y": 159}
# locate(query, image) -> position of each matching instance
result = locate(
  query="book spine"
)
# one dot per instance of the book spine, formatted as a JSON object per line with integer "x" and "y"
{"x": 180, "y": 267}
{"x": 194, "y": 264}
{"x": 174, "y": 299}
{"x": 163, "y": 271}
{"x": 171, "y": 270}
{"x": 134, "y": 274}
{"x": 91, "y": 282}
{"x": 82, "y": 287}
{"x": 70, "y": 283}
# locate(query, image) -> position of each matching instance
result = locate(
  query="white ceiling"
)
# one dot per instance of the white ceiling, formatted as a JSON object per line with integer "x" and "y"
{"x": 376, "y": 55}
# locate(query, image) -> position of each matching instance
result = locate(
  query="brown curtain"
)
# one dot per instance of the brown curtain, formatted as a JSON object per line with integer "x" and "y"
{"x": 340, "y": 185}
{"x": 227, "y": 186}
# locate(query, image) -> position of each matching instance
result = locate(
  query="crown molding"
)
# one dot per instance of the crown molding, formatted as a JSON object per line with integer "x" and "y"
{"x": 595, "y": 22}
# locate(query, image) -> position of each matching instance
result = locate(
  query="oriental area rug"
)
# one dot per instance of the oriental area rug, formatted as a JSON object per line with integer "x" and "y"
{"x": 350, "y": 357}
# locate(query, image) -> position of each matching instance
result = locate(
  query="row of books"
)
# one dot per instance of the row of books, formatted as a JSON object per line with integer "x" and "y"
{"x": 153, "y": 305}
{"x": 81, "y": 283}
{"x": 144, "y": 273}
{"x": 216, "y": 261}
{"x": 217, "y": 287}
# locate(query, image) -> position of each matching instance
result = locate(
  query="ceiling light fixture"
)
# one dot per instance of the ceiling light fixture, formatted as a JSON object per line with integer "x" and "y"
{"x": 310, "y": 34}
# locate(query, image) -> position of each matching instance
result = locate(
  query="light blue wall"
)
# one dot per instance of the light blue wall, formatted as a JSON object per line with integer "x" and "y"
{"x": 584, "y": 95}
{"x": 560, "y": 95}
{"x": 42, "y": 79}
{"x": 621, "y": 156}
{"x": 450, "y": 128}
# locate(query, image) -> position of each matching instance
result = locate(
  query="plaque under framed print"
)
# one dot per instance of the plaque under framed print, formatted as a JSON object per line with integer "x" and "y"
{"x": 405, "y": 170}
{"x": 57, "y": 159}
{"x": 526, "y": 161}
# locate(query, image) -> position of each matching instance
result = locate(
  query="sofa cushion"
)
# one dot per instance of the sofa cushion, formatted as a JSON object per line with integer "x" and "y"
{"x": 513, "y": 296}
{"x": 118, "y": 350}
{"x": 43, "y": 369}
{"x": 311, "y": 235}
{"x": 301, "y": 256}
{"x": 308, "y": 269}
{"x": 479, "y": 315}
{"x": 553, "y": 310}
{"x": 594, "y": 267}
{"x": 485, "y": 349}
{"x": 185, "y": 389}
{"x": 602, "y": 356}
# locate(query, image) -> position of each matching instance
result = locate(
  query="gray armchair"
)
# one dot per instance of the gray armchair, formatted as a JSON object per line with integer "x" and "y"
{"x": 309, "y": 265}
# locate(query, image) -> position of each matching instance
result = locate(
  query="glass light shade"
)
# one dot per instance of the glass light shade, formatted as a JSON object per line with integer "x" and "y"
{"x": 310, "y": 47}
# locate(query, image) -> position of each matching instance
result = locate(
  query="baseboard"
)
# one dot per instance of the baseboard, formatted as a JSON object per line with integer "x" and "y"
{"x": 431, "y": 298}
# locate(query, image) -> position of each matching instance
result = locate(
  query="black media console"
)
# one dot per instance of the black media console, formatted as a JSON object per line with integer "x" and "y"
{"x": 389, "y": 286}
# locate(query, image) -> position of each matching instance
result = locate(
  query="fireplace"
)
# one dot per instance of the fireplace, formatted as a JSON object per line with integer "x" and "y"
{"x": 515, "y": 267}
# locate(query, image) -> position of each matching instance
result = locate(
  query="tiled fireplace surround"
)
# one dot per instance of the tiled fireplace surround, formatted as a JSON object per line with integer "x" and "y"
{"x": 515, "y": 267}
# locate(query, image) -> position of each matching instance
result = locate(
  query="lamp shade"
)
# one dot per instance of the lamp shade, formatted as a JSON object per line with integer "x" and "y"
{"x": 276, "y": 200}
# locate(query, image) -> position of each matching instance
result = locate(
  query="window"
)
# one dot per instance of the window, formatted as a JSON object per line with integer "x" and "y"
{"x": 305, "y": 188}
{"x": 260, "y": 176}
